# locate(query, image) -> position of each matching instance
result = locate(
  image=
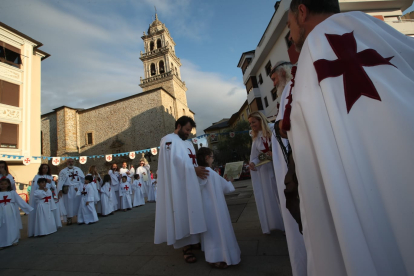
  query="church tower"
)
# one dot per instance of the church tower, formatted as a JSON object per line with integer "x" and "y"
{"x": 162, "y": 66}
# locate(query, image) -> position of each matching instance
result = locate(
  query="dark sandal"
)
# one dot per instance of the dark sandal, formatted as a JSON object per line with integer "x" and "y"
{"x": 189, "y": 255}
{"x": 196, "y": 246}
{"x": 220, "y": 265}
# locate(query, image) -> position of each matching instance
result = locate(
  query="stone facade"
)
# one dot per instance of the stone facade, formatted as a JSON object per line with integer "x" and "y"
{"x": 134, "y": 123}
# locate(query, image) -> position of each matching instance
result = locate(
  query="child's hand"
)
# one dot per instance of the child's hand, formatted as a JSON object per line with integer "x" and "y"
{"x": 225, "y": 177}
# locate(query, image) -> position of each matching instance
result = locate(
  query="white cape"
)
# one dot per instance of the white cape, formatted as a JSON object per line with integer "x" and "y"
{"x": 179, "y": 208}
{"x": 357, "y": 167}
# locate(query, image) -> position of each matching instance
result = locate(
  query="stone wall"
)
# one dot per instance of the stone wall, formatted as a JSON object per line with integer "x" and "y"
{"x": 49, "y": 135}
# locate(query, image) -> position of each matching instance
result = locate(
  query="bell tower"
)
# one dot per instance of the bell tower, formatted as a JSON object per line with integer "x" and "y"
{"x": 161, "y": 65}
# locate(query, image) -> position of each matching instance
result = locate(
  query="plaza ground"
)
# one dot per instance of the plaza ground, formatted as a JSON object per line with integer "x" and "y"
{"x": 122, "y": 244}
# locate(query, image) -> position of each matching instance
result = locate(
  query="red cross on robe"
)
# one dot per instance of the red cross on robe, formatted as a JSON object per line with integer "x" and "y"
{"x": 350, "y": 64}
{"x": 46, "y": 198}
{"x": 265, "y": 144}
{"x": 126, "y": 187}
{"x": 73, "y": 174}
{"x": 84, "y": 192}
{"x": 5, "y": 200}
{"x": 192, "y": 156}
{"x": 139, "y": 184}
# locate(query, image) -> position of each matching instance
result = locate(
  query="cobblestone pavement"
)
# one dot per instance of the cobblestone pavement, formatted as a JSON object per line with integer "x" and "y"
{"x": 122, "y": 244}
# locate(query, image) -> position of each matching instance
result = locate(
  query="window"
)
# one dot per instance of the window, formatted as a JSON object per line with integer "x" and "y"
{"x": 10, "y": 55}
{"x": 153, "y": 72}
{"x": 161, "y": 66}
{"x": 176, "y": 71}
{"x": 268, "y": 68}
{"x": 89, "y": 138}
{"x": 9, "y": 93}
{"x": 172, "y": 66}
{"x": 260, "y": 79}
{"x": 151, "y": 45}
{"x": 245, "y": 64}
{"x": 288, "y": 41}
{"x": 274, "y": 93}
{"x": 9, "y": 135}
{"x": 266, "y": 102}
{"x": 158, "y": 43}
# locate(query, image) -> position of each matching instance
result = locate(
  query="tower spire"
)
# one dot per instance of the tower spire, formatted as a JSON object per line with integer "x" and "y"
{"x": 156, "y": 16}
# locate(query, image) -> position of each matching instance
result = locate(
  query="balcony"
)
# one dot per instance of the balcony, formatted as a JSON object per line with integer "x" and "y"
{"x": 405, "y": 26}
{"x": 156, "y": 77}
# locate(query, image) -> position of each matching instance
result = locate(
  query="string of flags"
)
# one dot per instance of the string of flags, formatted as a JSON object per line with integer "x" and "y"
{"x": 109, "y": 157}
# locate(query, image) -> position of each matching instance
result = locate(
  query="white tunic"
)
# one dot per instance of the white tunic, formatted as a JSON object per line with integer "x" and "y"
{"x": 87, "y": 213}
{"x": 138, "y": 193}
{"x": 115, "y": 180}
{"x": 355, "y": 167}
{"x": 143, "y": 171}
{"x": 265, "y": 190}
{"x": 151, "y": 192}
{"x": 10, "y": 221}
{"x": 219, "y": 241}
{"x": 179, "y": 209}
{"x": 296, "y": 245}
{"x": 73, "y": 178}
{"x": 107, "y": 205}
{"x": 125, "y": 193}
{"x": 45, "y": 221}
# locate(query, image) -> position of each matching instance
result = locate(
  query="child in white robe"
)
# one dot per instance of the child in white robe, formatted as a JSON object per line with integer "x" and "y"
{"x": 45, "y": 217}
{"x": 154, "y": 187}
{"x": 87, "y": 213}
{"x": 10, "y": 221}
{"x": 151, "y": 191}
{"x": 107, "y": 206}
{"x": 219, "y": 241}
{"x": 139, "y": 199}
{"x": 125, "y": 192}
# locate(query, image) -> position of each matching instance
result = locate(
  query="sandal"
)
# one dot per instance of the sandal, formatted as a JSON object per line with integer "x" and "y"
{"x": 220, "y": 265}
{"x": 196, "y": 246}
{"x": 189, "y": 257}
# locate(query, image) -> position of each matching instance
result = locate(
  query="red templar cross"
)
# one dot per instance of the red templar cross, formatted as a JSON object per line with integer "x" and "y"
{"x": 126, "y": 187}
{"x": 56, "y": 161}
{"x": 192, "y": 156}
{"x": 5, "y": 200}
{"x": 27, "y": 160}
{"x": 84, "y": 192}
{"x": 82, "y": 159}
{"x": 350, "y": 65}
{"x": 46, "y": 198}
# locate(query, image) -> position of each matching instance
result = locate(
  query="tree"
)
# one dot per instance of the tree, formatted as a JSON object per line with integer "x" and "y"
{"x": 236, "y": 148}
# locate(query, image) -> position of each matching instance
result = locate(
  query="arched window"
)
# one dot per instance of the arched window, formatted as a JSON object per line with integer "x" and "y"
{"x": 158, "y": 43}
{"x": 161, "y": 66}
{"x": 151, "y": 45}
{"x": 152, "y": 69}
{"x": 176, "y": 71}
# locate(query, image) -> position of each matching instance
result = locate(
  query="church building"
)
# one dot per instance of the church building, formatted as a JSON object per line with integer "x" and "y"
{"x": 145, "y": 118}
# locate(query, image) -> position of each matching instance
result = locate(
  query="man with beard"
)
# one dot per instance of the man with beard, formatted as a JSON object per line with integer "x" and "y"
{"x": 284, "y": 170}
{"x": 179, "y": 215}
{"x": 71, "y": 179}
{"x": 350, "y": 121}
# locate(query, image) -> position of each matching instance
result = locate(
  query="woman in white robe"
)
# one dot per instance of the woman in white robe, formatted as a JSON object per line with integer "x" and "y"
{"x": 125, "y": 192}
{"x": 45, "y": 219}
{"x": 139, "y": 199}
{"x": 263, "y": 176}
{"x": 10, "y": 221}
{"x": 219, "y": 241}
{"x": 107, "y": 206}
{"x": 44, "y": 173}
{"x": 87, "y": 213}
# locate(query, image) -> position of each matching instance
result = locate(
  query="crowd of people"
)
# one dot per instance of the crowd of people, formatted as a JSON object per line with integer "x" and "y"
{"x": 54, "y": 201}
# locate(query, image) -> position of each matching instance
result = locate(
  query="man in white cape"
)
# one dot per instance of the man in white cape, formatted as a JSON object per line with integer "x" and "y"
{"x": 73, "y": 178}
{"x": 351, "y": 128}
{"x": 179, "y": 215}
{"x": 281, "y": 78}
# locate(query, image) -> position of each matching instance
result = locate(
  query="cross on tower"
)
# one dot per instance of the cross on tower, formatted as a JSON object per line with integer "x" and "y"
{"x": 5, "y": 200}
{"x": 350, "y": 65}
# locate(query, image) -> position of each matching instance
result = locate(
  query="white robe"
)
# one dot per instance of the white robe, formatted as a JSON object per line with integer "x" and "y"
{"x": 70, "y": 199}
{"x": 356, "y": 167}
{"x": 125, "y": 193}
{"x": 87, "y": 213}
{"x": 138, "y": 193}
{"x": 141, "y": 171}
{"x": 219, "y": 241}
{"x": 151, "y": 192}
{"x": 10, "y": 221}
{"x": 10, "y": 177}
{"x": 107, "y": 205}
{"x": 179, "y": 214}
{"x": 45, "y": 220}
{"x": 33, "y": 203}
{"x": 296, "y": 245}
{"x": 96, "y": 185}
{"x": 115, "y": 180}
{"x": 265, "y": 190}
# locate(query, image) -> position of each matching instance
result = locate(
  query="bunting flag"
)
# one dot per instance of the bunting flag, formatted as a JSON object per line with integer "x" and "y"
{"x": 108, "y": 158}
{"x": 251, "y": 133}
{"x": 232, "y": 134}
{"x": 56, "y": 161}
{"x": 154, "y": 151}
{"x": 195, "y": 140}
{"x": 132, "y": 155}
{"x": 213, "y": 136}
{"x": 83, "y": 159}
{"x": 27, "y": 160}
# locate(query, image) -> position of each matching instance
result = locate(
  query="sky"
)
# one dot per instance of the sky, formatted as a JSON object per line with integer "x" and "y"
{"x": 95, "y": 48}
